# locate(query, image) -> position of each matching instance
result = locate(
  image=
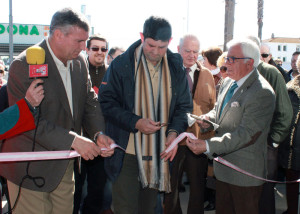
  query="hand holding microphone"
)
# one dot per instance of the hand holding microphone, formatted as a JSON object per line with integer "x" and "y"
{"x": 35, "y": 57}
{"x": 35, "y": 93}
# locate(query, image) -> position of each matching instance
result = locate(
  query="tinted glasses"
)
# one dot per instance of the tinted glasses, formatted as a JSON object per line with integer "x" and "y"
{"x": 264, "y": 55}
{"x": 97, "y": 49}
{"x": 223, "y": 69}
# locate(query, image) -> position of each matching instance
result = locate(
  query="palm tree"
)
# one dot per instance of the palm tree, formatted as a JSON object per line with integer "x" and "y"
{"x": 229, "y": 21}
{"x": 260, "y": 15}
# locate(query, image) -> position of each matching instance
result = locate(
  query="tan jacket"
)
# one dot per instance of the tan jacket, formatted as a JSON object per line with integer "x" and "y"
{"x": 204, "y": 98}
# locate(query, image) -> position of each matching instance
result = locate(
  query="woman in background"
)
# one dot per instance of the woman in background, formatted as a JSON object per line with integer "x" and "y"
{"x": 210, "y": 57}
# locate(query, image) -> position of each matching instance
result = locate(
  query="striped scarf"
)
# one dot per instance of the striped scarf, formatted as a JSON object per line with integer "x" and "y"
{"x": 153, "y": 171}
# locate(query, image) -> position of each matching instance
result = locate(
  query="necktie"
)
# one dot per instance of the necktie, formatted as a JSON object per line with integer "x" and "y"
{"x": 228, "y": 95}
{"x": 187, "y": 70}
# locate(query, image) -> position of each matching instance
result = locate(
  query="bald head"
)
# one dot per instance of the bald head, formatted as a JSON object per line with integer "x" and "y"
{"x": 188, "y": 48}
{"x": 265, "y": 54}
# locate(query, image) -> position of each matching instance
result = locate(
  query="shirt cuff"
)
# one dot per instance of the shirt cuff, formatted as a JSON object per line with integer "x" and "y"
{"x": 97, "y": 135}
{"x": 173, "y": 130}
{"x": 207, "y": 148}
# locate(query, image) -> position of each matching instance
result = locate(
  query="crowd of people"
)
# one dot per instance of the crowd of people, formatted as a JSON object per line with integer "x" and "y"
{"x": 139, "y": 99}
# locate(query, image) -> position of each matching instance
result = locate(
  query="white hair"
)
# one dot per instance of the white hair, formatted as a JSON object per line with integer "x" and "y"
{"x": 188, "y": 36}
{"x": 249, "y": 49}
{"x": 254, "y": 39}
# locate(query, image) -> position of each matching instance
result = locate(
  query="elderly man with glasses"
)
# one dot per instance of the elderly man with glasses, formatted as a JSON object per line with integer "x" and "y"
{"x": 113, "y": 53}
{"x": 243, "y": 110}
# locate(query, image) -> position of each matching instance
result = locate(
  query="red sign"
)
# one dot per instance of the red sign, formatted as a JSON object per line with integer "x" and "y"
{"x": 38, "y": 71}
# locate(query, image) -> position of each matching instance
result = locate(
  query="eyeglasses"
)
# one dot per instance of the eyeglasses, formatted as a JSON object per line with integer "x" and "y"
{"x": 264, "y": 55}
{"x": 231, "y": 59}
{"x": 111, "y": 56}
{"x": 223, "y": 69}
{"x": 97, "y": 49}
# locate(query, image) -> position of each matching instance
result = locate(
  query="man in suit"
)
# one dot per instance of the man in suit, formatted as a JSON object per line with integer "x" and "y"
{"x": 280, "y": 124}
{"x": 69, "y": 105}
{"x": 244, "y": 111}
{"x": 202, "y": 89}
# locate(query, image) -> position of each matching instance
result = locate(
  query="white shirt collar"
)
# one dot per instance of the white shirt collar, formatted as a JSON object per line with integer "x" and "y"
{"x": 56, "y": 60}
{"x": 243, "y": 79}
{"x": 193, "y": 69}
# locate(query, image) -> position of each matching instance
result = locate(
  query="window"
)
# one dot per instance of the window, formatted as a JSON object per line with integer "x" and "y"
{"x": 284, "y": 48}
{"x": 284, "y": 59}
{"x": 298, "y": 48}
{"x": 279, "y": 48}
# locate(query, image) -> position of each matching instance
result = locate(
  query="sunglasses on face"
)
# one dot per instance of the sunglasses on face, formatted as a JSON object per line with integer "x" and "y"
{"x": 223, "y": 69}
{"x": 264, "y": 55}
{"x": 97, "y": 49}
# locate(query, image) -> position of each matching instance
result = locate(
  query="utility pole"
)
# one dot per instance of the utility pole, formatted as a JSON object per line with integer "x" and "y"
{"x": 229, "y": 21}
{"x": 11, "y": 42}
{"x": 260, "y": 16}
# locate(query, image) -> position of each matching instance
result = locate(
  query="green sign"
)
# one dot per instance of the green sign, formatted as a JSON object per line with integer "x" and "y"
{"x": 21, "y": 29}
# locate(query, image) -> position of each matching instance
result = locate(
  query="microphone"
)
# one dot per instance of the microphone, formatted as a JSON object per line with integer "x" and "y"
{"x": 35, "y": 57}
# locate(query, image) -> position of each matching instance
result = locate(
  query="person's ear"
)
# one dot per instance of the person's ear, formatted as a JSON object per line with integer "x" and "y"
{"x": 142, "y": 37}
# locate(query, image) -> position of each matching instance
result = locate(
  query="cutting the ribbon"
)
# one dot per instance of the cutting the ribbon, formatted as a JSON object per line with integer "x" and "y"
{"x": 44, "y": 155}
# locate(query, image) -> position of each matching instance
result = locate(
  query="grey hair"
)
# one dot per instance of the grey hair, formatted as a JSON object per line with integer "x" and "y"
{"x": 249, "y": 49}
{"x": 267, "y": 46}
{"x": 254, "y": 39}
{"x": 188, "y": 36}
{"x": 66, "y": 18}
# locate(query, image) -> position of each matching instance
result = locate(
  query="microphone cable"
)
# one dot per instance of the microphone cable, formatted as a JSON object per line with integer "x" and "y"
{"x": 28, "y": 176}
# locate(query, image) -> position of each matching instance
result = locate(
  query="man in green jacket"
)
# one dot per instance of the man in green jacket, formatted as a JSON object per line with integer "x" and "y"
{"x": 280, "y": 124}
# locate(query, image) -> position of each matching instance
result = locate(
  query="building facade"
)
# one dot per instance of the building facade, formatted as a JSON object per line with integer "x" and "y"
{"x": 283, "y": 48}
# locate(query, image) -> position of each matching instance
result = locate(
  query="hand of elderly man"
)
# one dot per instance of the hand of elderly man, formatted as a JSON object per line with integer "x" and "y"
{"x": 197, "y": 146}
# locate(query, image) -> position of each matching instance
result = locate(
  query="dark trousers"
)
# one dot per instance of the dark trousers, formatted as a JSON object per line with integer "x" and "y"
{"x": 292, "y": 191}
{"x": 128, "y": 195}
{"x": 232, "y": 199}
{"x": 267, "y": 198}
{"x": 93, "y": 171}
{"x": 195, "y": 167}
